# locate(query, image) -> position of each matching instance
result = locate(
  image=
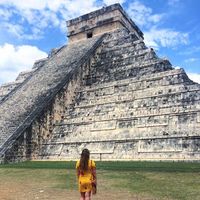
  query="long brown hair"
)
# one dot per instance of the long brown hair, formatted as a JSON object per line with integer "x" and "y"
{"x": 85, "y": 155}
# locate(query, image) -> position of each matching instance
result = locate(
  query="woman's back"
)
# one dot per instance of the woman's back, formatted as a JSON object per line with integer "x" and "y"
{"x": 87, "y": 173}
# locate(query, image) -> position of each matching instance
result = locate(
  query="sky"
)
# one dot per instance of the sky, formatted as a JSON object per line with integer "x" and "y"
{"x": 30, "y": 29}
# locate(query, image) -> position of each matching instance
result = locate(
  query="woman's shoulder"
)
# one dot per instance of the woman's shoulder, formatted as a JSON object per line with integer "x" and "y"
{"x": 92, "y": 163}
{"x": 77, "y": 163}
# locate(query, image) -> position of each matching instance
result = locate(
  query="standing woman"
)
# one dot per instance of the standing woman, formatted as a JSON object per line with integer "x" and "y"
{"x": 86, "y": 174}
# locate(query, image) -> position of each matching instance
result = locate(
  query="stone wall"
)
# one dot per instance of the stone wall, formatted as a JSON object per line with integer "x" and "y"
{"x": 152, "y": 114}
{"x": 101, "y": 21}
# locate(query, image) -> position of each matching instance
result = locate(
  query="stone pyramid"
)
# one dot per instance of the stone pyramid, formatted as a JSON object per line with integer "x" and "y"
{"x": 105, "y": 91}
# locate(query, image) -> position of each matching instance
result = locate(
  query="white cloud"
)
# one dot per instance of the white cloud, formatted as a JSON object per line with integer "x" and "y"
{"x": 109, "y": 2}
{"x": 155, "y": 37}
{"x": 18, "y": 31}
{"x": 190, "y": 50}
{"x": 14, "y": 29}
{"x": 165, "y": 38}
{"x": 78, "y": 7}
{"x": 143, "y": 15}
{"x": 189, "y": 60}
{"x": 30, "y": 4}
{"x": 37, "y": 14}
{"x": 6, "y": 14}
{"x": 15, "y": 59}
{"x": 155, "y": 18}
{"x": 173, "y": 2}
{"x": 71, "y": 6}
{"x": 194, "y": 76}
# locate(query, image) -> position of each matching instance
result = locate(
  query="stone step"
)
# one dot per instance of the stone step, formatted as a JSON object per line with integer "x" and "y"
{"x": 121, "y": 130}
{"x": 134, "y": 56}
{"x": 42, "y": 87}
{"x": 124, "y": 73}
{"x": 128, "y": 108}
{"x": 137, "y": 90}
{"x": 122, "y": 51}
{"x": 92, "y": 114}
{"x": 9, "y": 88}
{"x": 152, "y": 63}
{"x": 118, "y": 40}
{"x": 126, "y": 69}
{"x": 126, "y": 47}
{"x": 167, "y": 96}
{"x": 156, "y": 87}
{"x": 25, "y": 74}
{"x": 135, "y": 114}
{"x": 161, "y": 78}
{"x": 139, "y": 96}
{"x": 116, "y": 57}
{"x": 117, "y": 134}
{"x": 154, "y": 117}
{"x": 105, "y": 148}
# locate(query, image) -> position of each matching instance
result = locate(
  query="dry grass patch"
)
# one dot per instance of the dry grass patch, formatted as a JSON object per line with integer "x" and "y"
{"x": 116, "y": 180}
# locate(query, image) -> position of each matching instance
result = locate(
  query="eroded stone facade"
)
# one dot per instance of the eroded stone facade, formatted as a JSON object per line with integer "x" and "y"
{"x": 99, "y": 22}
{"x": 110, "y": 94}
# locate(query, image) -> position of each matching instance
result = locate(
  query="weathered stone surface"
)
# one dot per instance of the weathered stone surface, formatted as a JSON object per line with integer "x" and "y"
{"x": 151, "y": 114}
{"x": 121, "y": 101}
{"x": 9, "y": 88}
{"x": 101, "y": 21}
{"x": 145, "y": 115}
{"x": 19, "y": 110}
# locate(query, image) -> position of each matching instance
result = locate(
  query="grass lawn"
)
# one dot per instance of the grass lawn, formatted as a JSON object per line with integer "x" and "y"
{"x": 144, "y": 180}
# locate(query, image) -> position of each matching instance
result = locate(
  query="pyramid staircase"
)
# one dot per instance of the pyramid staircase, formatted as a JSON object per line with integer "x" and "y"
{"x": 26, "y": 102}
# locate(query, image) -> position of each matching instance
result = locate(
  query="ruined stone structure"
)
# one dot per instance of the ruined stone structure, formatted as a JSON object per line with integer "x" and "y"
{"x": 106, "y": 91}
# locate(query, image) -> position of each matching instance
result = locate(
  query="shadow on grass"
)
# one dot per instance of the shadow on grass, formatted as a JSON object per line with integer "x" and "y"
{"x": 112, "y": 165}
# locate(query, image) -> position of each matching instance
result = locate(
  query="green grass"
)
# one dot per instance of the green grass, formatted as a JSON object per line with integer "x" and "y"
{"x": 162, "y": 180}
{"x": 183, "y": 186}
{"x": 113, "y": 165}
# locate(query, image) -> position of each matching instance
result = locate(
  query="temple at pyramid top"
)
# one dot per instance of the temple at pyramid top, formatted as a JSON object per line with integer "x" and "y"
{"x": 100, "y": 21}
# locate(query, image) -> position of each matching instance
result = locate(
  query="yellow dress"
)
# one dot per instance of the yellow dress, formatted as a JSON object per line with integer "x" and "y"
{"x": 85, "y": 178}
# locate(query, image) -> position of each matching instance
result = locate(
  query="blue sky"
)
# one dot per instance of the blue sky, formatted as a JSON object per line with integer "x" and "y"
{"x": 30, "y": 29}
